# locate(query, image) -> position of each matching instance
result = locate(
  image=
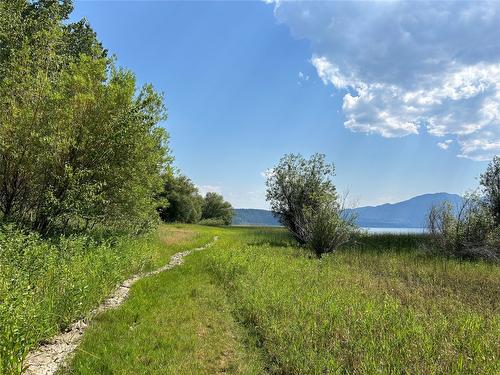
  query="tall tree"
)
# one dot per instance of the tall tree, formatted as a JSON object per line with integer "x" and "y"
{"x": 181, "y": 200}
{"x": 215, "y": 207}
{"x": 79, "y": 143}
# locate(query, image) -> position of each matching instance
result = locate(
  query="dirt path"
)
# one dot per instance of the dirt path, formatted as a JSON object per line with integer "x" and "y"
{"x": 50, "y": 356}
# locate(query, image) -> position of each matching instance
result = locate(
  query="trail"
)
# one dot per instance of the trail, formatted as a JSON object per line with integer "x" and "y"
{"x": 47, "y": 359}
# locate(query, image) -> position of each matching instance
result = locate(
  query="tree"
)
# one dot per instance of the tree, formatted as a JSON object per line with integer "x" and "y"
{"x": 490, "y": 183}
{"x": 80, "y": 145}
{"x": 182, "y": 202}
{"x": 296, "y": 184}
{"x": 214, "y": 207}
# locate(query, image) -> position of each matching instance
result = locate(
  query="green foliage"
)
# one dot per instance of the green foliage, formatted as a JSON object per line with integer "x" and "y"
{"x": 469, "y": 234}
{"x": 328, "y": 227}
{"x": 216, "y": 209}
{"x": 474, "y": 231}
{"x": 79, "y": 145}
{"x": 179, "y": 200}
{"x": 46, "y": 285}
{"x": 490, "y": 183}
{"x": 303, "y": 197}
{"x": 296, "y": 184}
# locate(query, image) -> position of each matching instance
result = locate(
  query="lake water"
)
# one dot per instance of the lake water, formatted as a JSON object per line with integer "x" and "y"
{"x": 395, "y": 230}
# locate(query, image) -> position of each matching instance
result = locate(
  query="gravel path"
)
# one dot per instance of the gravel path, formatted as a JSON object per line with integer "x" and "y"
{"x": 51, "y": 355}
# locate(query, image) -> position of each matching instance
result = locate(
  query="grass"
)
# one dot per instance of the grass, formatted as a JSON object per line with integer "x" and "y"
{"x": 363, "y": 310}
{"x": 254, "y": 303}
{"x": 257, "y": 303}
{"x": 177, "y": 322}
{"x": 45, "y": 285}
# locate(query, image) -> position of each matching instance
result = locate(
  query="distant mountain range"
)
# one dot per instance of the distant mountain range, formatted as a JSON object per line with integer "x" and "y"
{"x": 407, "y": 214}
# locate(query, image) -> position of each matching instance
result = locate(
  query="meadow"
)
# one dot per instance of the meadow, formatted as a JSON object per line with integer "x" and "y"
{"x": 258, "y": 303}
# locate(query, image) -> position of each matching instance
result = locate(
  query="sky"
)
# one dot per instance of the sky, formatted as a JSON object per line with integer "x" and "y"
{"x": 403, "y": 97}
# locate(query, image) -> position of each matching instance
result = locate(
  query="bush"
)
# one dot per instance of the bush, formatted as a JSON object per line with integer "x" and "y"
{"x": 45, "y": 285}
{"x": 490, "y": 186}
{"x": 328, "y": 227}
{"x": 470, "y": 233}
{"x": 296, "y": 183}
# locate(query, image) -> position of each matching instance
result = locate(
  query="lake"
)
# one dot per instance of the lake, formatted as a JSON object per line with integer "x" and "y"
{"x": 395, "y": 230}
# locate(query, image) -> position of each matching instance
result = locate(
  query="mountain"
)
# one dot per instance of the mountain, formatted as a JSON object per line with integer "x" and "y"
{"x": 407, "y": 214}
{"x": 411, "y": 213}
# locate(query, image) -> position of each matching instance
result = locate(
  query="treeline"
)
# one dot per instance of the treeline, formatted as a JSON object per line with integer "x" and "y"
{"x": 180, "y": 201}
{"x": 80, "y": 145}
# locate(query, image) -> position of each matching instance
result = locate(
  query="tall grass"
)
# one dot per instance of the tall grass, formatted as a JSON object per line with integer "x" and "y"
{"x": 45, "y": 285}
{"x": 362, "y": 310}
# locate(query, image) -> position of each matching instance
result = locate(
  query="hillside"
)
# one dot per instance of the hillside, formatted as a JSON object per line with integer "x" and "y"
{"x": 410, "y": 213}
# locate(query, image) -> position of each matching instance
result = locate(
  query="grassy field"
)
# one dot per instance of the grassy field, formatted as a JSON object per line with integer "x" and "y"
{"x": 178, "y": 322}
{"x": 45, "y": 285}
{"x": 256, "y": 303}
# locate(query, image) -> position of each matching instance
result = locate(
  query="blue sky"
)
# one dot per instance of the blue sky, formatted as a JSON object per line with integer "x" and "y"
{"x": 403, "y": 98}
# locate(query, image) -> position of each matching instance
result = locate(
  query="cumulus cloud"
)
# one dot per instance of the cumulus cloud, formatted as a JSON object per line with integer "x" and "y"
{"x": 409, "y": 67}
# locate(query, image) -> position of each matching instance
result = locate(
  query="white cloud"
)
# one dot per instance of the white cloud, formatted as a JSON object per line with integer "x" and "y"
{"x": 303, "y": 77}
{"x": 204, "y": 189}
{"x": 444, "y": 145}
{"x": 405, "y": 68}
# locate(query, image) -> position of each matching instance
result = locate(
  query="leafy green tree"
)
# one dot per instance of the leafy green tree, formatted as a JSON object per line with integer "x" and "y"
{"x": 80, "y": 145}
{"x": 296, "y": 184}
{"x": 181, "y": 200}
{"x": 490, "y": 183}
{"x": 215, "y": 207}
{"x": 302, "y": 195}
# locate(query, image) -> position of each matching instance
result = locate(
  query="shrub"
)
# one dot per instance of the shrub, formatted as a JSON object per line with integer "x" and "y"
{"x": 328, "y": 227}
{"x": 490, "y": 185}
{"x": 470, "y": 233}
{"x": 80, "y": 144}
